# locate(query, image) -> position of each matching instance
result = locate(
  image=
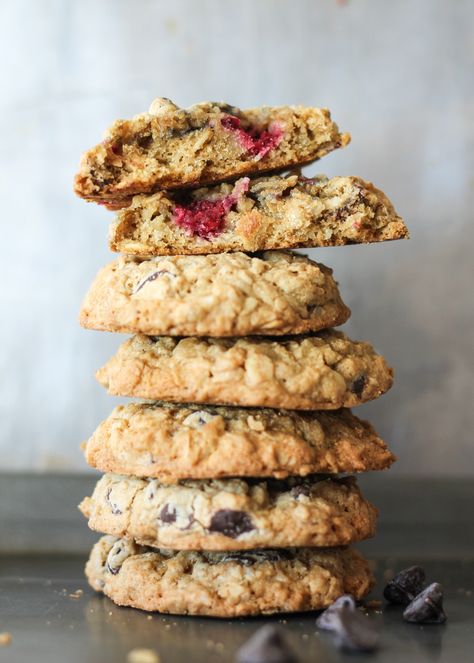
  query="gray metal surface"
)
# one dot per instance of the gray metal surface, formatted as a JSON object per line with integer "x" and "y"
{"x": 49, "y": 626}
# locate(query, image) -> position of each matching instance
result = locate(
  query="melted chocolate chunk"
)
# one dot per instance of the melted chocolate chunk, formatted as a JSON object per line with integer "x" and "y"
{"x": 153, "y": 277}
{"x": 118, "y": 553}
{"x": 168, "y": 514}
{"x": 145, "y": 141}
{"x": 427, "y": 607}
{"x": 248, "y": 558}
{"x": 405, "y": 585}
{"x": 295, "y": 485}
{"x": 357, "y": 387}
{"x": 231, "y": 523}
{"x": 113, "y": 569}
{"x": 114, "y": 508}
{"x": 266, "y": 646}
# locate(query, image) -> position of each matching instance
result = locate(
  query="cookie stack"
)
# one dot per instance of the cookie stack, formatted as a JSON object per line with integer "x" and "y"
{"x": 222, "y": 493}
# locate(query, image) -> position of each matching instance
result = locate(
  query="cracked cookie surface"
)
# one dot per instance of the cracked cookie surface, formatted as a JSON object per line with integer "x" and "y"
{"x": 230, "y": 294}
{"x": 326, "y": 371}
{"x": 188, "y": 442}
{"x": 171, "y": 147}
{"x": 271, "y": 212}
{"x": 231, "y": 514}
{"x": 225, "y": 584}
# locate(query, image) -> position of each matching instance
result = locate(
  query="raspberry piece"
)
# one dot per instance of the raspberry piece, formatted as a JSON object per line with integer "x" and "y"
{"x": 206, "y": 218}
{"x": 258, "y": 143}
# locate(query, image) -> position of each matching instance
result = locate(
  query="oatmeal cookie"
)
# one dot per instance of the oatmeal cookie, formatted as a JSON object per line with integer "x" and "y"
{"x": 225, "y": 584}
{"x": 326, "y": 371}
{"x": 171, "y": 147}
{"x": 231, "y": 514}
{"x": 229, "y": 294}
{"x": 271, "y": 212}
{"x": 170, "y": 443}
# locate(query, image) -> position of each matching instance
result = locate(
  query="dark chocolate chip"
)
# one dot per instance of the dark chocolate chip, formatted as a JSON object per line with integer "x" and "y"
{"x": 354, "y": 631}
{"x": 248, "y": 558}
{"x": 168, "y": 514}
{"x": 145, "y": 141}
{"x": 117, "y": 555}
{"x": 327, "y": 618}
{"x": 114, "y": 568}
{"x": 266, "y": 645}
{"x": 405, "y": 585}
{"x": 357, "y": 387}
{"x": 427, "y": 607}
{"x": 231, "y": 523}
{"x": 116, "y": 511}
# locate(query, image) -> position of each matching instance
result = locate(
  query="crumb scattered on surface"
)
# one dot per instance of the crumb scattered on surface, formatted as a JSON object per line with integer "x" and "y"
{"x": 372, "y": 605}
{"x": 5, "y": 639}
{"x": 143, "y": 656}
{"x": 77, "y": 594}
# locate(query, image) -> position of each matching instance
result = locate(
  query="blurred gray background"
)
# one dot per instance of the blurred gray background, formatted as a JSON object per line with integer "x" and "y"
{"x": 397, "y": 75}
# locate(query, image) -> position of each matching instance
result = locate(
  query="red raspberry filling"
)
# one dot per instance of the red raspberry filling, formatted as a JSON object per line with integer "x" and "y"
{"x": 258, "y": 143}
{"x": 206, "y": 218}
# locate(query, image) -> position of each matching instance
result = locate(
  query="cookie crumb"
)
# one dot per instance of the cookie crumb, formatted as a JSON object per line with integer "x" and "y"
{"x": 372, "y": 605}
{"x": 77, "y": 594}
{"x": 143, "y": 656}
{"x": 5, "y": 639}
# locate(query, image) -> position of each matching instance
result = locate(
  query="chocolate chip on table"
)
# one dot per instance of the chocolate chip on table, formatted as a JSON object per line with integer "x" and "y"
{"x": 352, "y": 630}
{"x": 231, "y": 523}
{"x": 403, "y": 587}
{"x": 266, "y": 645}
{"x": 326, "y": 619}
{"x": 427, "y": 607}
{"x": 357, "y": 386}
